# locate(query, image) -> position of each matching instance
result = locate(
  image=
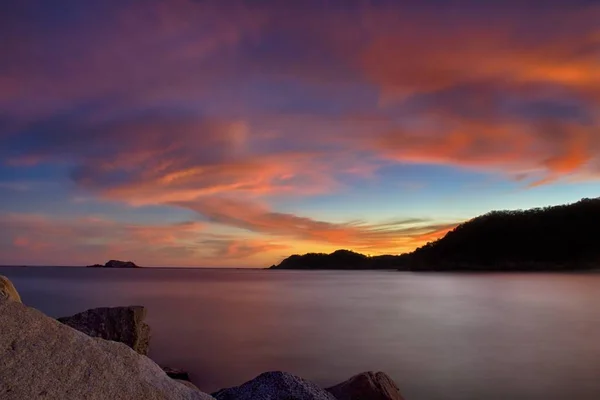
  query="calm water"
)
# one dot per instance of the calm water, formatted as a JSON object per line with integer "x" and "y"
{"x": 440, "y": 336}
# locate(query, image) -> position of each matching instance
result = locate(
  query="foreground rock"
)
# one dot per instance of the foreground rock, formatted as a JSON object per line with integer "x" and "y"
{"x": 178, "y": 374}
{"x": 368, "y": 385}
{"x": 42, "y": 358}
{"x": 119, "y": 324}
{"x": 7, "y": 290}
{"x": 275, "y": 386}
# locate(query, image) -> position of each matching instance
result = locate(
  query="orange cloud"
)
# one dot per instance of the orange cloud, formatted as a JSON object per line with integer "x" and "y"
{"x": 416, "y": 52}
{"x": 393, "y": 237}
{"x": 82, "y": 241}
{"x": 237, "y": 249}
{"x": 220, "y": 108}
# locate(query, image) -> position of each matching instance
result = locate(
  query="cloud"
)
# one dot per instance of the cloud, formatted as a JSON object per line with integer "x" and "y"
{"x": 222, "y": 107}
{"x": 257, "y": 218}
{"x": 184, "y": 88}
{"x": 40, "y": 239}
{"x": 241, "y": 249}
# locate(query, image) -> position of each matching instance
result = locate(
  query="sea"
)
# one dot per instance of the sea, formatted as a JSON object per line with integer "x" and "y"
{"x": 449, "y": 336}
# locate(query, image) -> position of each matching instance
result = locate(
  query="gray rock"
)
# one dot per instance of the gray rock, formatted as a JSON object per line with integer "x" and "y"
{"x": 42, "y": 358}
{"x": 368, "y": 385}
{"x": 275, "y": 386}
{"x": 186, "y": 383}
{"x": 7, "y": 290}
{"x": 177, "y": 374}
{"x": 119, "y": 324}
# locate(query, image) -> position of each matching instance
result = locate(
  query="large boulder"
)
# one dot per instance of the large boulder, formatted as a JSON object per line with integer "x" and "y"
{"x": 175, "y": 373}
{"x": 119, "y": 324}
{"x": 42, "y": 358}
{"x": 368, "y": 385}
{"x": 7, "y": 290}
{"x": 275, "y": 386}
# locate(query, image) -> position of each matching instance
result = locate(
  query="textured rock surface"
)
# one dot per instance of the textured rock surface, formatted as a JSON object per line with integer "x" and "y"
{"x": 42, "y": 358}
{"x": 7, "y": 290}
{"x": 275, "y": 386}
{"x": 119, "y": 324}
{"x": 187, "y": 383}
{"x": 368, "y": 385}
{"x": 175, "y": 373}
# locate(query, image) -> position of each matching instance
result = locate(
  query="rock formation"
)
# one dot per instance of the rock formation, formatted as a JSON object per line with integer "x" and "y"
{"x": 368, "y": 385}
{"x": 275, "y": 386}
{"x": 7, "y": 290}
{"x": 178, "y": 374}
{"x": 42, "y": 358}
{"x": 119, "y": 324}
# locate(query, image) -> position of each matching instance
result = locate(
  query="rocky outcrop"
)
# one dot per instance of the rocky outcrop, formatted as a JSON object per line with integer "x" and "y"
{"x": 42, "y": 358}
{"x": 119, "y": 324}
{"x": 275, "y": 386}
{"x": 368, "y": 385}
{"x": 186, "y": 383}
{"x": 7, "y": 290}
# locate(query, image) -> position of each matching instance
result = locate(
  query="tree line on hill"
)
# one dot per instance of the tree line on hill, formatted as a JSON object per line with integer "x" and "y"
{"x": 558, "y": 238}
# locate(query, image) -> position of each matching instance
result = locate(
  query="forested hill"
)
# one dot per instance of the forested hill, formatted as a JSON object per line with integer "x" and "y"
{"x": 560, "y": 238}
{"x": 552, "y": 238}
{"x": 340, "y": 259}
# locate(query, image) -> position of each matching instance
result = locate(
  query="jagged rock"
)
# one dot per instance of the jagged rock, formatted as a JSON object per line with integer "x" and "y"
{"x": 275, "y": 386}
{"x": 177, "y": 374}
{"x": 7, "y": 290}
{"x": 368, "y": 385}
{"x": 42, "y": 358}
{"x": 119, "y": 324}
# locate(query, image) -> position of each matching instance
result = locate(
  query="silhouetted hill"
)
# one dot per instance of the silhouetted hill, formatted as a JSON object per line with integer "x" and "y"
{"x": 340, "y": 259}
{"x": 115, "y": 264}
{"x": 563, "y": 237}
{"x": 560, "y": 238}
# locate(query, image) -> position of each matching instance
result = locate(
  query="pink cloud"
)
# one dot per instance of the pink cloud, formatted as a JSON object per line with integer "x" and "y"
{"x": 219, "y": 109}
{"x": 396, "y": 236}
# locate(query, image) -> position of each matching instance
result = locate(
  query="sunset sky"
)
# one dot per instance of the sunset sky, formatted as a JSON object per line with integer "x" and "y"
{"x": 234, "y": 133}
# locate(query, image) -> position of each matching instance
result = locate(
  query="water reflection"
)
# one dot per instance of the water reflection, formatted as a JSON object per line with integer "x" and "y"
{"x": 461, "y": 336}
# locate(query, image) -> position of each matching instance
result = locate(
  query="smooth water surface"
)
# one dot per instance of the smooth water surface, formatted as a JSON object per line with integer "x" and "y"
{"x": 440, "y": 336}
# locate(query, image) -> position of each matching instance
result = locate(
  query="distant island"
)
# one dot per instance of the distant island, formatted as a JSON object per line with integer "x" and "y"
{"x": 559, "y": 238}
{"x": 115, "y": 264}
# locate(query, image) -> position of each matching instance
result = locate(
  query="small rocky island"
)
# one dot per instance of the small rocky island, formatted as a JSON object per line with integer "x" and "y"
{"x": 115, "y": 264}
{"x": 101, "y": 354}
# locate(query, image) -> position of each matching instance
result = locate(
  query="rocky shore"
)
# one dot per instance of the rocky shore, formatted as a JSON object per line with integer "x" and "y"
{"x": 102, "y": 354}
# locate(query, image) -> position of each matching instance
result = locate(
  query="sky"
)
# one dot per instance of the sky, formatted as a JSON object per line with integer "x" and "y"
{"x": 235, "y": 133}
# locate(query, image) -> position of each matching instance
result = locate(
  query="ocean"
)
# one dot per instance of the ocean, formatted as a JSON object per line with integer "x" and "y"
{"x": 440, "y": 336}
